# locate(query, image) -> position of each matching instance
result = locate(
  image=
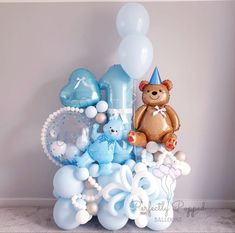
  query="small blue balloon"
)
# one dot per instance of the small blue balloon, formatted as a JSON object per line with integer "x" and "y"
{"x": 64, "y": 214}
{"x": 82, "y": 173}
{"x": 135, "y": 55}
{"x": 65, "y": 182}
{"x": 132, "y": 18}
{"x": 160, "y": 214}
{"x": 81, "y": 91}
{"x": 107, "y": 220}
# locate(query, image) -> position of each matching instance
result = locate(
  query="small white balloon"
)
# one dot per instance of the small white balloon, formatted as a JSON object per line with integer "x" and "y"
{"x": 58, "y": 148}
{"x": 152, "y": 147}
{"x": 185, "y": 168}
{"x": 91, "y": 112}
{"x": 102, "y": 106}
{"x": 141, "y": 221}
{"x": 180, "y": 155}
{"x": 71, "y": 151}
{"x": 82, "y": 217}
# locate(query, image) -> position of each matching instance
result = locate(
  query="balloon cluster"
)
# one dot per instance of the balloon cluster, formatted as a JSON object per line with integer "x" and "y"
{"x": 135, "y": 51}
{"x": 101, "y": 173}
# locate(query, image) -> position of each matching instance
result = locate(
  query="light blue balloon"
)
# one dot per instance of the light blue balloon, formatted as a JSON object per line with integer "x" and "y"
{"x": 160, "y": 215}
{"x": 65, "y": 182}
{"x": 82, "y": 90}
{"x": 64, "y": 214}
{"x": 135, "y": 55}
{"x": 108, "y": 221}
{"x": 82, "y": 173}
{"x": 113, "y": 177}
{"x": 132, "y": 18}
{"x": 118, "y": 89}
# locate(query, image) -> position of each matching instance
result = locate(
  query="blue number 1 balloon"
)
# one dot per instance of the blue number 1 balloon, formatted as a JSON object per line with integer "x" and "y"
{"x": 118, "y": 88}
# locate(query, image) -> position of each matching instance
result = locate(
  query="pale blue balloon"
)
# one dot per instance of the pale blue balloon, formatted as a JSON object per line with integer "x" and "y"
{"x": 135, "y": 55}
{"x": 82, "y": 90}
{"x": 108, "y": 221}
{"x": 65, "y": 182}
{"x": 64, "y": 214}
{"x": 160, "y": 215}
{"x": 132, "y": 18}
{"x": 82, "y": 173}
{"x": 118, "y": 89}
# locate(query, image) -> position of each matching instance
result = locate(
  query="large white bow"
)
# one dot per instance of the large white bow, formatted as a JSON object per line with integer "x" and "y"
{"x": 81, "y": 80}
{"x": 131, "y": 193}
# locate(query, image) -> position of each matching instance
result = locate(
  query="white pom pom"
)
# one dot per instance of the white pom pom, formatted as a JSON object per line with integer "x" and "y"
{"x": 141, "y": 221}
{"x": 82, "y": 217}
{"x": 102, "y": 106}
{"x": 91, "y": 112}
{"x": 58, "y": 148}
{"x": 152, "y": 147}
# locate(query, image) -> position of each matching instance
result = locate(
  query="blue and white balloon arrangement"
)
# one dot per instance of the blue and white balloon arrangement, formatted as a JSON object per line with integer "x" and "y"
{"x": 101, "y": 175}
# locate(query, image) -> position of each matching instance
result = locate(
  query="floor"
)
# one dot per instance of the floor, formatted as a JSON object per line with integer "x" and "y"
{"x": 37, "y": 219}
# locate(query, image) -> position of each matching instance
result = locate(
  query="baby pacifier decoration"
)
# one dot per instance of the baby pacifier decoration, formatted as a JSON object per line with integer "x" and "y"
{"x": 116, "y": 163}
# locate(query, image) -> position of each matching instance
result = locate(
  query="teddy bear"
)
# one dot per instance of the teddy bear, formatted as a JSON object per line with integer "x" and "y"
{"x": 104, "y": 147}
{"x": 155, "y": 120}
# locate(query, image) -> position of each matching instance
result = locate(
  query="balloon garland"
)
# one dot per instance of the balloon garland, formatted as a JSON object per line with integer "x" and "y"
{"x": 116, "y": 164}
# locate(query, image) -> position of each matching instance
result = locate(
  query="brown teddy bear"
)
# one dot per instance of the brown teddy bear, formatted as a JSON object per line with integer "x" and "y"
{"x": 155, "y": 120}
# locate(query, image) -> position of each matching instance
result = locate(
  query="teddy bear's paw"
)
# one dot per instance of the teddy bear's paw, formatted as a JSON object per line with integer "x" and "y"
{"x": 131, "y": 137}
{"x": 171, "y": 144}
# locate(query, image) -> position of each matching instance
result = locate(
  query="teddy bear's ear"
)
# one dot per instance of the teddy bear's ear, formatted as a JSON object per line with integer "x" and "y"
{"x": 143, "y": 84}
{"x": 168, "y": 84}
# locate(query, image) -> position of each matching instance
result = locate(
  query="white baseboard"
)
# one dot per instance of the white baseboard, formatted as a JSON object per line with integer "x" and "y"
{"x": 179, "y": 203}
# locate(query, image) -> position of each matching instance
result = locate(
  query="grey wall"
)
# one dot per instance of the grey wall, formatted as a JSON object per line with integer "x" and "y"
{"x": 194, "y": 46}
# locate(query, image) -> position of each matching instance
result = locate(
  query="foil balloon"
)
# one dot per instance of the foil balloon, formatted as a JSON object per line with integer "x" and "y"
{"x": 82, "y": 90}
{"x": 118, "y": 87}
{"x": 155, "y": 120}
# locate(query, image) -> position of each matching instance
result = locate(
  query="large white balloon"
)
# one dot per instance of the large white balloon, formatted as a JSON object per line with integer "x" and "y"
{"x": 132, "y": 18}
{"x": 135, "y": 55}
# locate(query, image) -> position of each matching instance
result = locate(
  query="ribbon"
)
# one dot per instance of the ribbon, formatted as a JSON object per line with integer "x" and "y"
{"x": 122, "y": 112}
{"x": 81, "y": 80}
{"x": 159, "y": 110}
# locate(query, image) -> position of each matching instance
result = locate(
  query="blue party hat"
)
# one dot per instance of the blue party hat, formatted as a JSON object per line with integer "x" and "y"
{"x": 155, "y": 78}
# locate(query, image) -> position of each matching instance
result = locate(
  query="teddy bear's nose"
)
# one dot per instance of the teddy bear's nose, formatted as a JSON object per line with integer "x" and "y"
{"x": 112, "y": 130}
{"x": 154, "y": 93}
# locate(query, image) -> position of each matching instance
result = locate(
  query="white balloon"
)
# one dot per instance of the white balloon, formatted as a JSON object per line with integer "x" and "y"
{"x": 132, "y": 18}
{"x": 58, "y": 148}
{"x": 82, "y": 217}
{"x": 102, "y": 106}
{"x": 91, "y": 112}
{"x": 135, "y": 55}
{"x": 152, "y": 147}
{"x": 141, "y": 221}
{"x": 71, "y": 151}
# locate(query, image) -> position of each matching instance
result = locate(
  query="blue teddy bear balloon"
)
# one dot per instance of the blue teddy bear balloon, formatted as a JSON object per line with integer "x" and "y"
{"x": 104, "y": 147}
